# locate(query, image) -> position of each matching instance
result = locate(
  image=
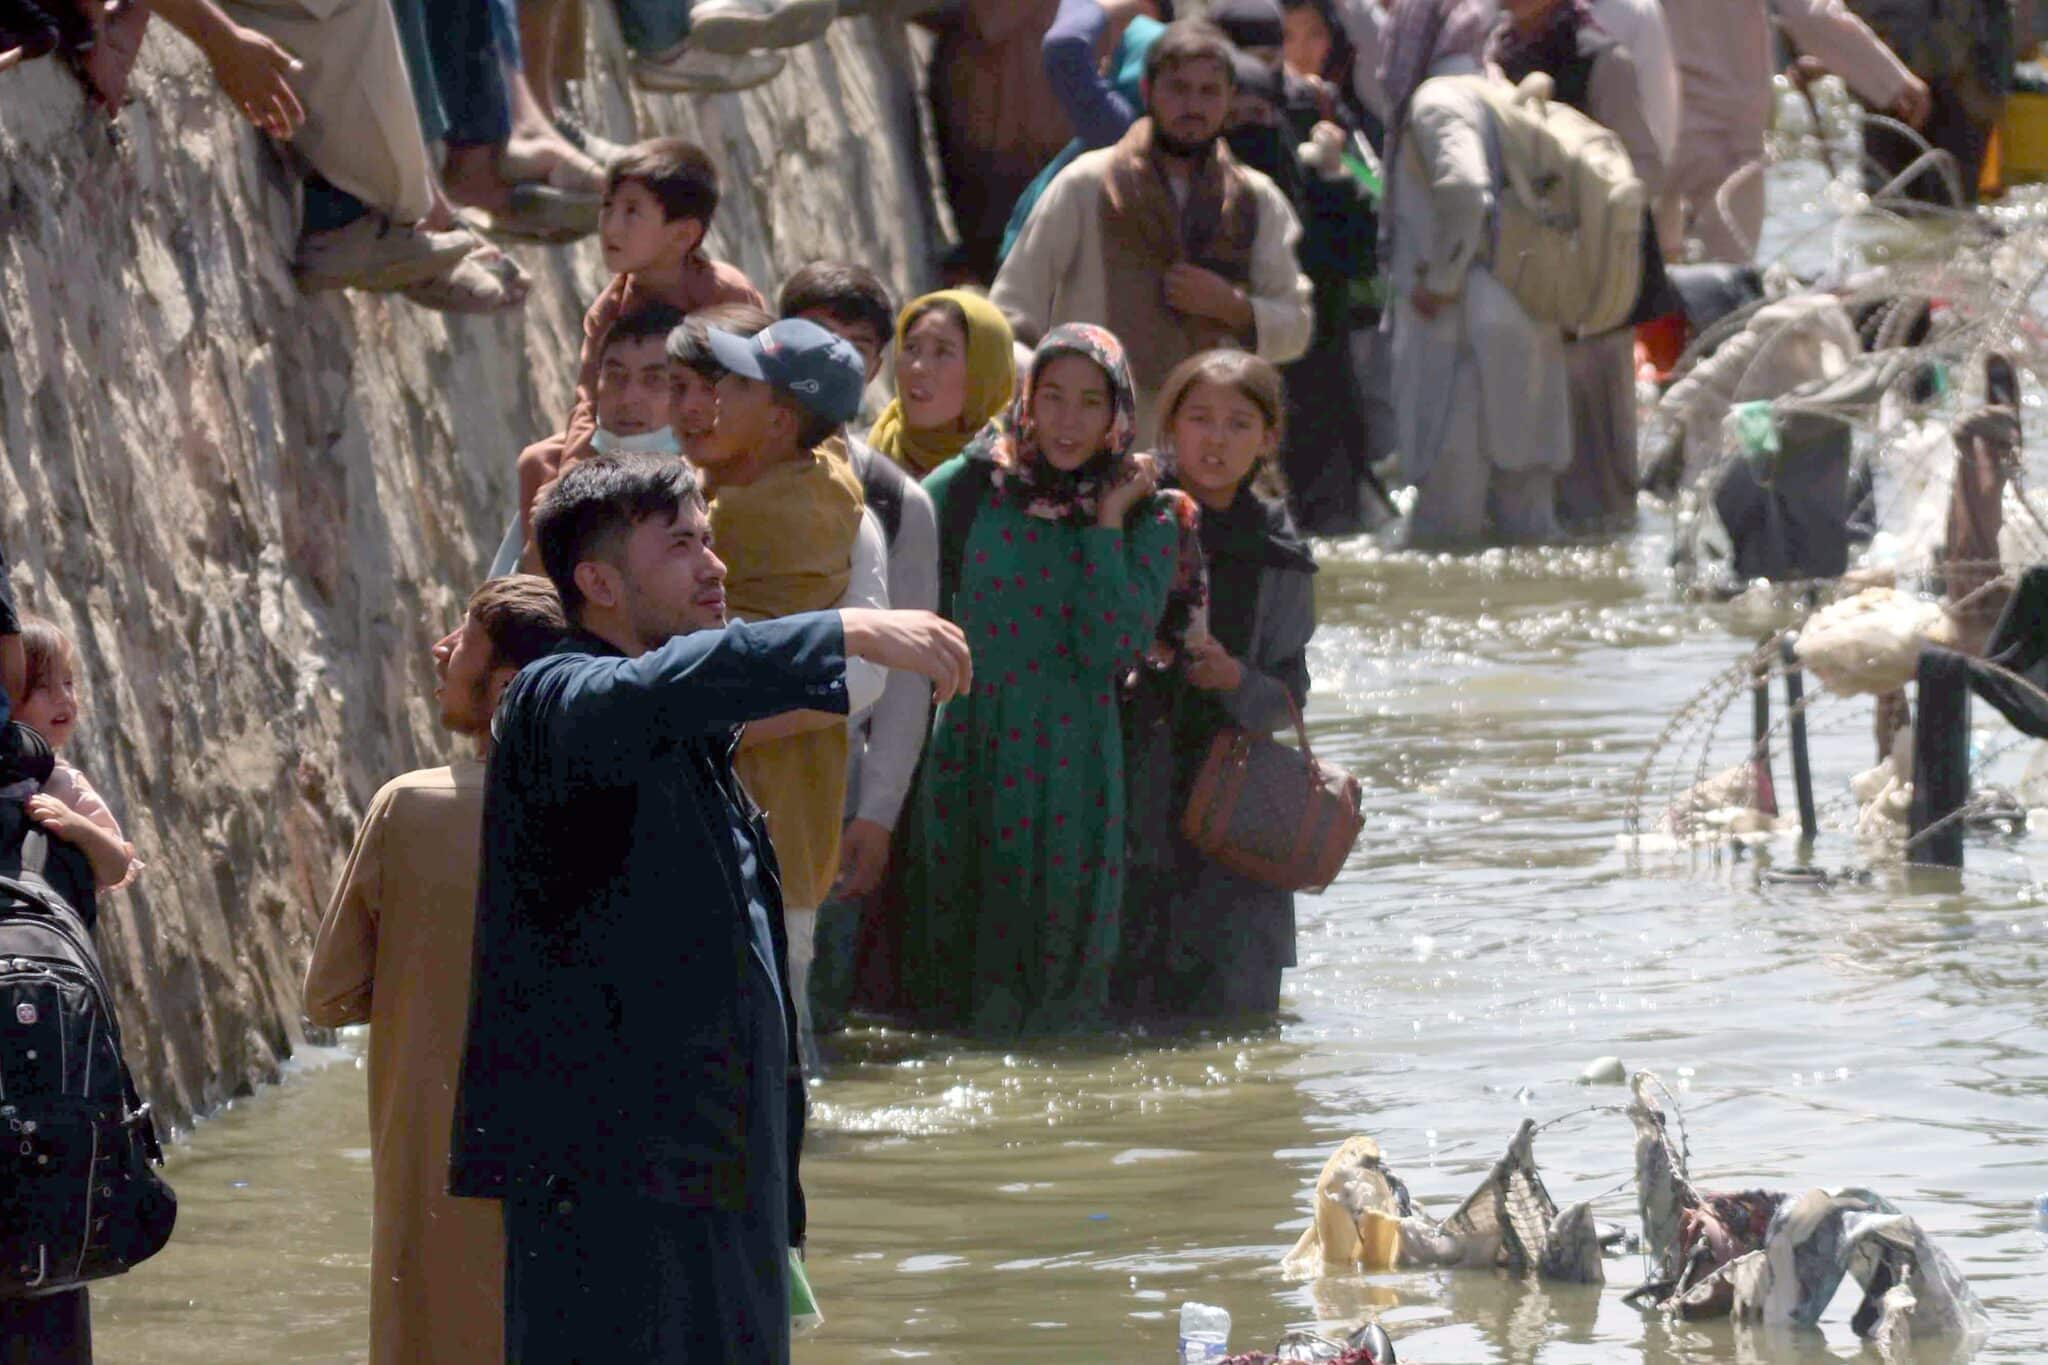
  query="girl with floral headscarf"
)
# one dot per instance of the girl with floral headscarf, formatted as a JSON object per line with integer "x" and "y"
{"x": 1068, "y": 564}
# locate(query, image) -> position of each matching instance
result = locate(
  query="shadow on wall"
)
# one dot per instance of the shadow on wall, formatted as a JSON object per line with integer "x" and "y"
{"x": 254, "y": 510}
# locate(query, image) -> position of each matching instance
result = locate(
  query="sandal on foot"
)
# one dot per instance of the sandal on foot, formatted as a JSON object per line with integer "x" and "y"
{"x": 469, "y": 286}
{"x": 540, "y": 214}
{"x": 580, "y": 175}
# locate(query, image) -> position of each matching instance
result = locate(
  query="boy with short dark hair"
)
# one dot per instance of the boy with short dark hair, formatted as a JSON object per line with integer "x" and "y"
{"x": 693, "y": 371}
{"x": 659, "y": 199}
{"x": 846, "y": 299}
{"x": 628, "y": 414}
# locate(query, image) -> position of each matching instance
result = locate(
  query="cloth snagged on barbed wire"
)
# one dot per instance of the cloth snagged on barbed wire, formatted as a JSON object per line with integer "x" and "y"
{"x": 1503, "y": 1224}
{"x": 1663, "y": 1192}
{"x": 1870, "y": 643}
{"x": 1824, "y": 1236}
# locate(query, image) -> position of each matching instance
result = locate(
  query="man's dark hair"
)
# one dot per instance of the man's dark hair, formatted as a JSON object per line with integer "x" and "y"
{"x": 597, "y": 503}
{"x": 677, "y": 172}
{"x": 648, "y": 322}
{"x": 849, "y": 294}
{"x": 687, "y": 344}
{"x": 1190, "y": 40}
{"x": 521, "y": 615}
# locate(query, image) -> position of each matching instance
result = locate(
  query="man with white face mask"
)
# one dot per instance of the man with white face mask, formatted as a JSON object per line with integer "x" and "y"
{"x": 631, "y": 411}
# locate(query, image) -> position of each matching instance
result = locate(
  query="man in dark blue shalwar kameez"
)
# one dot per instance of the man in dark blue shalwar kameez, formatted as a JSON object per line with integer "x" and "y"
{"x": 630, "y": 1085}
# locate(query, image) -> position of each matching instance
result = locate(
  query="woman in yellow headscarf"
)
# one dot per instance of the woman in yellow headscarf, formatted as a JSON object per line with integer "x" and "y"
{"x": 955, "y": 369}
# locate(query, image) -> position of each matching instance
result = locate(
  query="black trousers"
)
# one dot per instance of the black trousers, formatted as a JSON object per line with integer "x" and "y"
{"x": 55, "y": 1329}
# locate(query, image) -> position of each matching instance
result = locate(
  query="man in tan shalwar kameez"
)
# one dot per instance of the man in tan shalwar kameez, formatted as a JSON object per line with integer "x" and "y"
{"x": 394, "y": 952}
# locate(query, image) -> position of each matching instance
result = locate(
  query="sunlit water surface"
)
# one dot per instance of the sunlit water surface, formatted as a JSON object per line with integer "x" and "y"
{"x": 1491, "y": 935}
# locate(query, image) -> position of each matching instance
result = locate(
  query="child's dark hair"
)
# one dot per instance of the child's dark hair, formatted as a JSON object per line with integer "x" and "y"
{"x": 679, "y": 173}
{"x": 687, "y": 345}
{"x": 597, "y": 503}
{"x": 521, "y": 615}
{"x": 649, "y": 322}
{"x": 851, "y": 295}
{"x": 47, "y": 650}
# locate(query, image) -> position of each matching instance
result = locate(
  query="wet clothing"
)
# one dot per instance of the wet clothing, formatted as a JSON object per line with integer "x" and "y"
{"x": 1480, "y": 393}
{"x": 1941, "y": 736}
{"x": 622, "y": 1032}
{"x": 1199, "y": 941}
{"x": 55, "y": 1329}
{"x": 1725, "y": 67}
{"x": 593, "y": 1274}
{"x": 1014, "y": 866}
{"x": 393, "y": 952}
{"x": 1015, "y": 862}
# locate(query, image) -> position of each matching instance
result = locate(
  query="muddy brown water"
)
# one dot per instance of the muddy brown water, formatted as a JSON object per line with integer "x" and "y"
{"x": 1491, "y": 935}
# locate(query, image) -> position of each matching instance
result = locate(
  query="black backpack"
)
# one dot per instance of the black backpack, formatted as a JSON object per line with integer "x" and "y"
{"x": 79, "y": 1199}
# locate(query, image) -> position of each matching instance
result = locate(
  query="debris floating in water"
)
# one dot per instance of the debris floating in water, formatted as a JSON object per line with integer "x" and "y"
{"x": 1753, "y": 1255}
{"x": 1604, "y": 1071}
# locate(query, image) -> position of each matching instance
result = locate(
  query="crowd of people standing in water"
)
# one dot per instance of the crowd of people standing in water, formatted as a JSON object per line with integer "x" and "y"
{"x": 781, "y": 717}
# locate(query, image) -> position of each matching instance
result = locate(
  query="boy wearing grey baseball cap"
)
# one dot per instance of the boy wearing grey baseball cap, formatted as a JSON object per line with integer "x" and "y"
{"x": 785, "y": 516}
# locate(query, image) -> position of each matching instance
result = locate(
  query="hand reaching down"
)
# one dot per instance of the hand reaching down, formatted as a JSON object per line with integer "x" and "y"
{"x": 255, "y": 74}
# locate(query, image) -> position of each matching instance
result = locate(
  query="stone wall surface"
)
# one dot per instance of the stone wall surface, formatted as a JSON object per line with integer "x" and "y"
{"x": 254, "y": 510}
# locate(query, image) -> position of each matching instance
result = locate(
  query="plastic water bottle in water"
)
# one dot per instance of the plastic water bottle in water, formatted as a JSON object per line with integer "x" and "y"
{"x": 1204, "y": 1332}
{"x": 2040, "y": 1218}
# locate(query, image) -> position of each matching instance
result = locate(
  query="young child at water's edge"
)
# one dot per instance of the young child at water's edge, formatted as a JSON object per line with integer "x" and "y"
{"x": 67, "y": 807}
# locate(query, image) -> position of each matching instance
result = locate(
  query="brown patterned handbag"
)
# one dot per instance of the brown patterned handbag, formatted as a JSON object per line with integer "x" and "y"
{"x": 1271, "y": 813}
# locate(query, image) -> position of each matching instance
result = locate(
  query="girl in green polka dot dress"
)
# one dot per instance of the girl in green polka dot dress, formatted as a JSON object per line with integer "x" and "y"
{"x": 1015, "y": 860}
